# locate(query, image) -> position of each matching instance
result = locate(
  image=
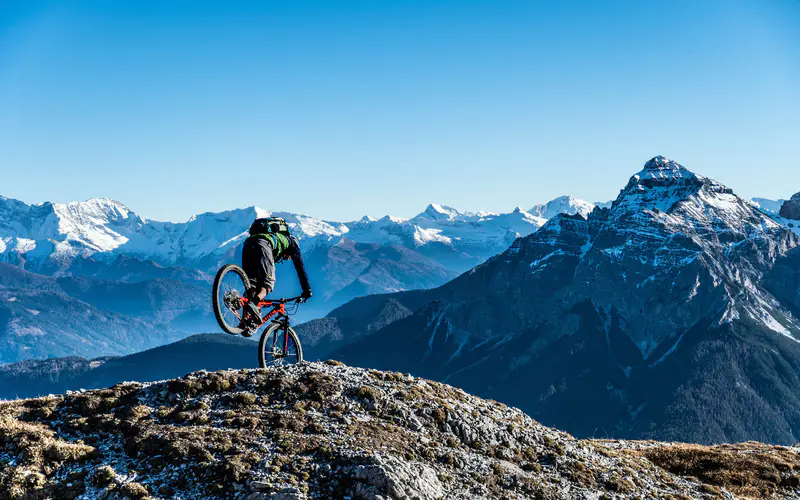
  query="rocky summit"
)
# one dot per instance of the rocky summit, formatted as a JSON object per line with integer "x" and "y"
{"x": 325, "y": 430}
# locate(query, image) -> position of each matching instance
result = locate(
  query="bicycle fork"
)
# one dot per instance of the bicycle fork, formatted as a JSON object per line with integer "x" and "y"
{"x": 285, "y": 349}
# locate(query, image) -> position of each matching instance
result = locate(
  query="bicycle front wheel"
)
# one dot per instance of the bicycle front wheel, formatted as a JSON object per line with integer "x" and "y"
{"x": 230, "y": 285}
{"x": 279, "y": 345}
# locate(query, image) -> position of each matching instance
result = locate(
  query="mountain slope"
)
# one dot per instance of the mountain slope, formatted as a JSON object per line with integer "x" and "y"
{"x": 328, "y": 431}
{"x": 647, "y": 310}
{"x": 39, "y": 319}
{"x": 33, "y": 378}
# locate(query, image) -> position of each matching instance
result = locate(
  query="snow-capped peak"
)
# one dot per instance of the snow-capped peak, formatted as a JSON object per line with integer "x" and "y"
{"x": 660, "y": 185}
{"x": 663, "y": 168}
{"x": 435, "y": 211}
{"x": 262, "y": 213}
{"x": 97, "y": 210}
{"x": 562, "y": 205}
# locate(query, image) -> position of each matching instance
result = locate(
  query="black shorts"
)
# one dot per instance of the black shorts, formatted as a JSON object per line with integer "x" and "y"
{"x": 258, "y": 263}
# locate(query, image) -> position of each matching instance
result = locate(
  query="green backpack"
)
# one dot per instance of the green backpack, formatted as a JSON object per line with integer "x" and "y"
{"x": 274, "y": 229}
{"x": 270, "y": 225}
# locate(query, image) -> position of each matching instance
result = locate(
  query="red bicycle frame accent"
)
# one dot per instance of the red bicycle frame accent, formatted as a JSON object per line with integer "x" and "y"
{"x": 279, "y": 308}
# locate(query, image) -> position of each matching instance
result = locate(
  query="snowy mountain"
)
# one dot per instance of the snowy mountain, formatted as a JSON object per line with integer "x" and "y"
{"x": 563, "y": 205}
{"x": 51, "y": 236}
{"x": 674, "y": 313}
{"x": 108, "y": 245}
{"x": 103, "y": 239}
{"x": 772, "y": 207}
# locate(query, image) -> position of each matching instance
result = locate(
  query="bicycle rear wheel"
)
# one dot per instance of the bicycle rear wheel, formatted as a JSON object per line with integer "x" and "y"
{"x": 278, "y": 346}
{"x": 230, "y": 285}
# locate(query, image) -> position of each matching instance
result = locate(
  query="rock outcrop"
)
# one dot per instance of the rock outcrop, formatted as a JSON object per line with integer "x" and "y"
{"x": 791, "y": 208}
{"x": 330, "y": 431}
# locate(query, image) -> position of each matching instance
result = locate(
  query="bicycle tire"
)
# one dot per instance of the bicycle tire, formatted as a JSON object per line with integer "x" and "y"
{"x": 265, "y": 360}
{"x": 219, "y": 309}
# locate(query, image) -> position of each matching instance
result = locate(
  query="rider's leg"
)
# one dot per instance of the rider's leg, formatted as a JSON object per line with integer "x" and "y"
{"x": 253, "y": 312}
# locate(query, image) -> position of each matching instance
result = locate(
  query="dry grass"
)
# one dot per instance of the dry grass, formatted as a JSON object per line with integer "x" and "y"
{"x": 225, "y": 428}
{"x": 750, "y": 470}
{"x": 37, "y": 445}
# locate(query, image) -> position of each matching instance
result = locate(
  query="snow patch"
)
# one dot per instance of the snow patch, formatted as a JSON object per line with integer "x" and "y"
{"x": 538, "y": 262}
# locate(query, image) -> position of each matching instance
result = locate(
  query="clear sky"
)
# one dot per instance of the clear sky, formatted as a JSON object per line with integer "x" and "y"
{"x": 343, "y": 108}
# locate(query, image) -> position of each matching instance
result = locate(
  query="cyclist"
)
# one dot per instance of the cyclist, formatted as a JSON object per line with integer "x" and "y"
{"x": 269, "y": 242}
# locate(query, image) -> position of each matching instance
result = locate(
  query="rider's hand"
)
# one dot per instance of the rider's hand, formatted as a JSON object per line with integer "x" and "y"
{"x": 305, "y": 295}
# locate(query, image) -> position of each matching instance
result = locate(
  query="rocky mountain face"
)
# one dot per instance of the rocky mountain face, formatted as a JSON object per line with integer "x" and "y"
{"x": 672, "y": 315}
{"x": 790, "y": 209}
{"x": 330, "y": 431}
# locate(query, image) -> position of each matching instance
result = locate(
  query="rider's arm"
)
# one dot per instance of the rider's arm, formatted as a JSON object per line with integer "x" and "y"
{"x": 299, "y": 266}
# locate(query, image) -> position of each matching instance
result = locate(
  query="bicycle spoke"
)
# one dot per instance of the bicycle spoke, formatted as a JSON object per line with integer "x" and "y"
{"x": 274, "y": 356}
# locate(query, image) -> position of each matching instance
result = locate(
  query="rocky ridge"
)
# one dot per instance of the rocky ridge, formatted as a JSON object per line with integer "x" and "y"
{"x": 327, "y": 430}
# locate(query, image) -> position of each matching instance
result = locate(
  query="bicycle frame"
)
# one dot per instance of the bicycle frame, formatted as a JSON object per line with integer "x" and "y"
{"x": 279, "y": 309}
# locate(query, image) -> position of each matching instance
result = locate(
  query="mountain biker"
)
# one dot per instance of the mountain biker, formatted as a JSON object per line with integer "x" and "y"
{"x": 269, "y": 242}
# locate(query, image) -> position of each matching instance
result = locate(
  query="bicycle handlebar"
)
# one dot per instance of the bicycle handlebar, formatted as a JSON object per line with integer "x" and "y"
{"x": 285, "y": 300}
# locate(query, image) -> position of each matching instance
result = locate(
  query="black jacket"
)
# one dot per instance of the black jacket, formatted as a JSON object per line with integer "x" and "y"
{"x": 258, "y": 262}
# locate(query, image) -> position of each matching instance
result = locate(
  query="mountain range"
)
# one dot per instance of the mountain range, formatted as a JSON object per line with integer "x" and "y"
{"x": 55, "y": 239}
{"x": 123, "y": 283}
{"x": 672, "y": 314}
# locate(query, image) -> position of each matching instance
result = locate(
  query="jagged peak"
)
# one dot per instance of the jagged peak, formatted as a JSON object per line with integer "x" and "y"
{"x": 660, "y": 167}
{"x": 440, "y": 212}
{"x": 101, "y": 209}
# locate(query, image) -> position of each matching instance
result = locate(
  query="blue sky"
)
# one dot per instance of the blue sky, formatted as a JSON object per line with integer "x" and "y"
{"x": 339, "y": 109}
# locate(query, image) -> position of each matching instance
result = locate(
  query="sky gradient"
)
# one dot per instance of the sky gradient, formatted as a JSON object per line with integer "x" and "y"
{"x": 340, "y": 109}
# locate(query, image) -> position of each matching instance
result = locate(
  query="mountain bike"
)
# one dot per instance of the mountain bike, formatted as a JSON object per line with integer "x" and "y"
{"x": 279, "y": 344}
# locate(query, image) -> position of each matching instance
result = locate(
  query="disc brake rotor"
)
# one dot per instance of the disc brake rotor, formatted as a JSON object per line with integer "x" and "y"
{"x": 232, "y": 300}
